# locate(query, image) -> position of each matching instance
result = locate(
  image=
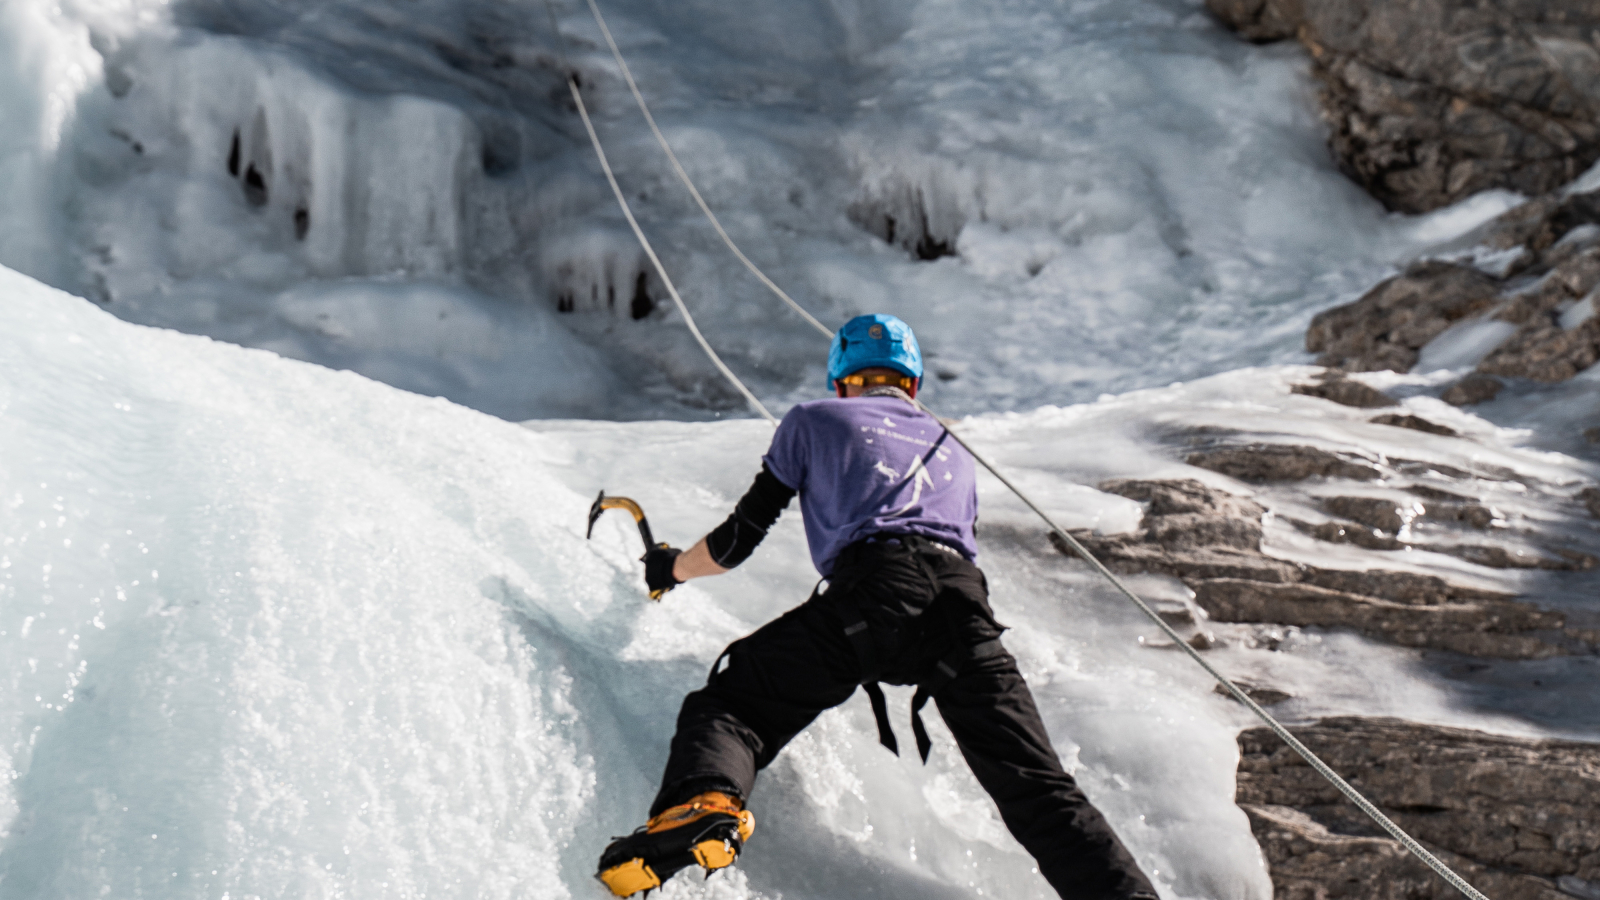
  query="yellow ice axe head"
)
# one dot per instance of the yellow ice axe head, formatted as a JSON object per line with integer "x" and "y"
{"x": 603, "y": 503}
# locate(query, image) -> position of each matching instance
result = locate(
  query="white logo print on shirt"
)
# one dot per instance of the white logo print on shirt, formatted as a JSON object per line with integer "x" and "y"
{"x": 919, "y": 476}
{"x": 918, "y": 473}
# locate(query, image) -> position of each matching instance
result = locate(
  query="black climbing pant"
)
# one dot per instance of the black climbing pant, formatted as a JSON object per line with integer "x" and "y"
{"x": 919, "y": 601}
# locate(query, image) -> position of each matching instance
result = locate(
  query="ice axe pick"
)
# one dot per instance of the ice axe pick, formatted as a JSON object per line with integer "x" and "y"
{"x": 603, "y": 503}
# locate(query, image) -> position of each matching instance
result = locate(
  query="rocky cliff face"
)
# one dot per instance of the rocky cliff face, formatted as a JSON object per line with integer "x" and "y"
{"x": 1430, "y": 101}
{"x": 1518, "y": 818}
{"x": 1533, "y": 273}
{"x": 1211, "y": 540}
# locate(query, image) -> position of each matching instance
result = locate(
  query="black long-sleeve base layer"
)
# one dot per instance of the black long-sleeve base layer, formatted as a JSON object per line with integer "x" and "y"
{"x": 919, "y": 603}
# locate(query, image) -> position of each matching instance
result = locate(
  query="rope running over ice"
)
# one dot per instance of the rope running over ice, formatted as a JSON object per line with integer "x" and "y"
{"x": 655, "y": 260}
{"x": 683, "y": 176}
{"x": 1277, "y": 727}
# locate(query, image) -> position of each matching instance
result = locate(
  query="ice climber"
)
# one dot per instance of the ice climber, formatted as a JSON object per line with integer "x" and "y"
{"x": 889, "y": 504}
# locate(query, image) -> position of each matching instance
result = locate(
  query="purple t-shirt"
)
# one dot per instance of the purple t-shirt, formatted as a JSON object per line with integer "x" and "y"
{"x": 864, "y": 465}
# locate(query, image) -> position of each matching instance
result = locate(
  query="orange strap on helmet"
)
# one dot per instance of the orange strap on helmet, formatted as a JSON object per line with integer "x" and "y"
{"x": 903, "y": 382}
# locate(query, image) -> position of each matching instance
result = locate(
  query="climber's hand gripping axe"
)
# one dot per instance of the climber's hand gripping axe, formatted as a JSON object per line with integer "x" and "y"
{"x": 603, "y": 503}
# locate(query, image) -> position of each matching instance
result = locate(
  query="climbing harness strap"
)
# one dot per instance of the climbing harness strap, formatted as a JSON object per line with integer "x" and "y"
{"x": 716, "y": 666}
{"x": 943, "y": 671}
{"x": 1233, "y": 690}
{"x": 856, "y": 631}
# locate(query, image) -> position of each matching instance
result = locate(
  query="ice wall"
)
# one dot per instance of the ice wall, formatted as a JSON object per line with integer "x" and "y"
{"x": 46, "y": 64}
{"x": 1073, "y": 199}
{"x": 247, "y": 652}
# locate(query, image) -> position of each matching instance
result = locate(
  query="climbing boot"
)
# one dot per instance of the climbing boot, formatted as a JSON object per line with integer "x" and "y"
{"x": 709, "y": 830}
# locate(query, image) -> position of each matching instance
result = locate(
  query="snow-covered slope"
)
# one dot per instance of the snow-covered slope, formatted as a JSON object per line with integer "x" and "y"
{"x": 272, "y": 630}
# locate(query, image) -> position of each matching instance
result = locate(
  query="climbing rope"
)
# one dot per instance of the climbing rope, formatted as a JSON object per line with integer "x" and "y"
{"x": 627, "y": 75}
{"x": 1233, "y": 690}
{"x": 655, "y": 260}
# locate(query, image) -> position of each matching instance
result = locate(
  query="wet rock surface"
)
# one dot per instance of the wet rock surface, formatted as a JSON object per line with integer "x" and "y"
{"x": 1390, "y": 324}
{"x": 1544, "y": 351}
{"x": 1503, "y": 629}
{"x": 1211, "y": 540}
{"x": 1262, "y": 694}
{"x": 1259, "y": 463}
{"x": 1376, "y": 512}
{"x": 1532, "y": 274}
{"x": 1415, "y": 423}
{"x": 1518, "y": 818}
{"x": 1345, "y": 392}
{"x": 1591, "y": 500}
{"x": 1430, "y": 101}
{"x": 1427, "y": 103}
{"x": 1475, "y": 388}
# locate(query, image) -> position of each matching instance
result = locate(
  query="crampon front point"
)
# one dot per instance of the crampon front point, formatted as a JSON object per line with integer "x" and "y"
{"x": 708, "y": 831}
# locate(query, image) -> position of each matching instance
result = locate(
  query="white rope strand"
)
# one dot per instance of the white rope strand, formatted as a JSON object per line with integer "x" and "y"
{"x": 683, "y": 176}
{"x": 1277, "y": 727}
{"x": 655, "y": 260}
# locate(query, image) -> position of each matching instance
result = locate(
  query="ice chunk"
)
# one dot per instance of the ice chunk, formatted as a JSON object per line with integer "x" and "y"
{"x": 1463, "y": 345}
{"x": 1588, "y": 181}
{"x": 1453, "y": 221}
{"x": 1578, "y": 313}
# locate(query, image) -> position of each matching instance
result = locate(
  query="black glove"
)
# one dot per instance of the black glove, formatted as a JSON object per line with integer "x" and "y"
{"x": 658, "y": 575}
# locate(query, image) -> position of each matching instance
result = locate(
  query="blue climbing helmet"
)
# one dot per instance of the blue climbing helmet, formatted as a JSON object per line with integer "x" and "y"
{"x": 874, "y": 340}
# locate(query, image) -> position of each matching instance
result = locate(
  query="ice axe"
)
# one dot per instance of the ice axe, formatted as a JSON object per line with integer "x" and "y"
{"x": 603, "y": 503}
